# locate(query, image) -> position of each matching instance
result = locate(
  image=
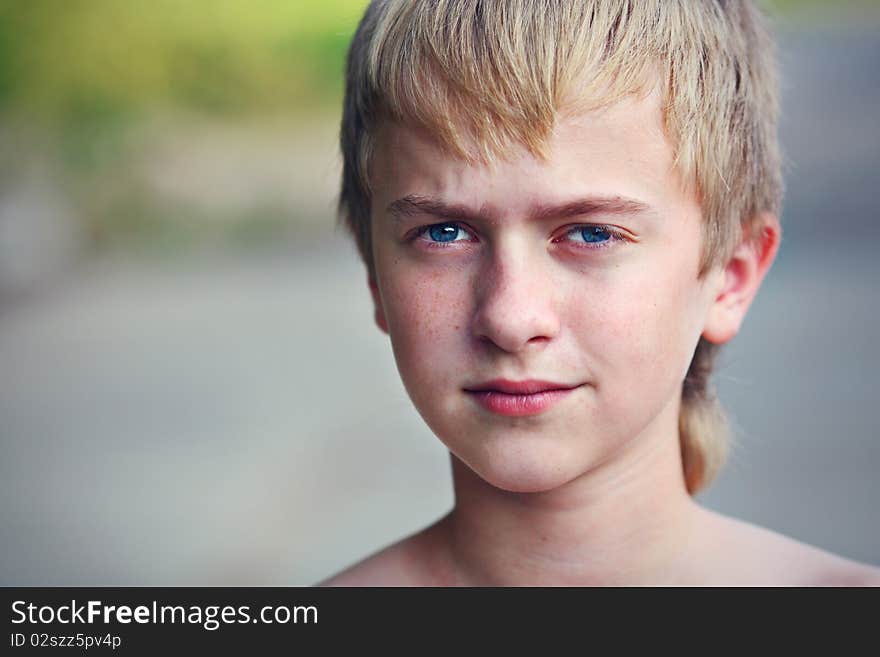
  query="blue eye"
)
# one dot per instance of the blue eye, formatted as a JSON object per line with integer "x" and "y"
{"x": 446, "y": 235}
{"x": 593, "y": 234}
{"x": 444, "y": 232}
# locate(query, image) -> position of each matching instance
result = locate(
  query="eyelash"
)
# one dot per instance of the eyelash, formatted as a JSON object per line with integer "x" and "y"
{"x": 614, "y": 236}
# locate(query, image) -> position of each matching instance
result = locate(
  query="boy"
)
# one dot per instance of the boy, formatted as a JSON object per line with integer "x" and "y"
{"x": 565, "y": 207}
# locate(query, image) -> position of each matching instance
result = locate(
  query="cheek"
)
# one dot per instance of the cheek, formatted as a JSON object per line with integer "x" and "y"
{"x": 427, "y": 315}
{"x": 640, "y": 329}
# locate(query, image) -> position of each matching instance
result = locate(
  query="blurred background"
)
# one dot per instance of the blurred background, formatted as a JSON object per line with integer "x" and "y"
{"x": 191, "y": 387}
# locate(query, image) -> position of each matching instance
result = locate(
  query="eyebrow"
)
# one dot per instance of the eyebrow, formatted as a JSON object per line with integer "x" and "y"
{"x": 416, "y": 205}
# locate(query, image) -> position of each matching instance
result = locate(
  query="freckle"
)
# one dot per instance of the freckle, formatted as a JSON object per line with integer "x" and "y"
{"x": 456, "y": 327}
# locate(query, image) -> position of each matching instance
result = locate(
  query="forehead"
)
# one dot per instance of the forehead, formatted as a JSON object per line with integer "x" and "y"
{"x": 618, "y": 150}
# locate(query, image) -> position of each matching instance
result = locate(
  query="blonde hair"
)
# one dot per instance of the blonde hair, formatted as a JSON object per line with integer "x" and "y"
{"x": 501, "y": 72}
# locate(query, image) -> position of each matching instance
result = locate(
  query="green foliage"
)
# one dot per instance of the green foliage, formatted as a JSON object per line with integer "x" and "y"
{"x": 80, "y": 78}
{"x": 213, "y": 56}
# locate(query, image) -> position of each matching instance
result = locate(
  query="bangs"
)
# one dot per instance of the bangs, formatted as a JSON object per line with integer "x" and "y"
{"x": 481, "y": 76}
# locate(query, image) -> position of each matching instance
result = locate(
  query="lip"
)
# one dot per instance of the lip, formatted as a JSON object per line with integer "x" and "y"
{"x": 519, "y": 398}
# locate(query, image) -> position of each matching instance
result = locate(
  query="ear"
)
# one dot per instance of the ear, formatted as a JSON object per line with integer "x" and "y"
{"x": 378, "y": 308}
{"x": 742, "y": 277}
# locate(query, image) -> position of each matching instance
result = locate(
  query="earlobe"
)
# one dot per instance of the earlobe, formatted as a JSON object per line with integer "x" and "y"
{"x": 378, "y": 307}
{"x": 742, "y": 277}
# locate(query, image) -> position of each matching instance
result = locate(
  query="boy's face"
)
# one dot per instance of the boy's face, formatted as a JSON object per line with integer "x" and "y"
{"x": 542, "y": 314}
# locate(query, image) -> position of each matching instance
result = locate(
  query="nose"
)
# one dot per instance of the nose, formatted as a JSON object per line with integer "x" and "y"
{"x": 515, "y": 306}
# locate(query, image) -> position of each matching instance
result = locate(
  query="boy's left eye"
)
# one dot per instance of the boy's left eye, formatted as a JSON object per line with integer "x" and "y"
{"x": 592, "y": 236}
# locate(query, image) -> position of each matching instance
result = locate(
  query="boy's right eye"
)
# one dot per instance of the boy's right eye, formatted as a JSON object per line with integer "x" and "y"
{"x": 445, "y": 233}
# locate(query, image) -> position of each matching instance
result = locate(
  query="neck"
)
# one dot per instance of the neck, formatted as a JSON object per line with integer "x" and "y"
{"x": 626, "y": 521}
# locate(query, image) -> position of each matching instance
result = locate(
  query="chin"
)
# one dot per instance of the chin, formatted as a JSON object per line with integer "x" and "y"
{"x": 522, "y": 471}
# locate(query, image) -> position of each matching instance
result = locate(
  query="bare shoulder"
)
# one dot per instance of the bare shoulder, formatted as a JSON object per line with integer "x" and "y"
{"x": 755, "y": 556}
{"x": 392, "y": 566}
{"x": 412, "y": 561}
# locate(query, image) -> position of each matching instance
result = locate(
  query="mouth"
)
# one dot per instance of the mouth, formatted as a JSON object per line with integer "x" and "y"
{"x": 519, "y": 398}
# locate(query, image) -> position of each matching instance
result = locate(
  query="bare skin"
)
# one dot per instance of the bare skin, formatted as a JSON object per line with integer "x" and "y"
{"x": 530, "y": 286}
{"x": 724, "y": 552}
